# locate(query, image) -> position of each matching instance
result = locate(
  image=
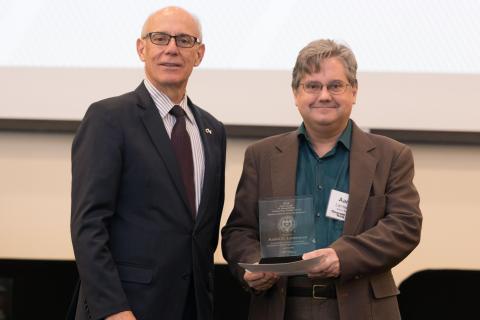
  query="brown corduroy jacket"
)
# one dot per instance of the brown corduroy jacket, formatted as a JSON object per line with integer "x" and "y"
{"x": 382, "y": 225}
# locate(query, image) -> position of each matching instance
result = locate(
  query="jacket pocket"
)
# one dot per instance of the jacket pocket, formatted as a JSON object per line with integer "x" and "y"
{"x": 135, "y": 274}
{"x": 383, "y": 285}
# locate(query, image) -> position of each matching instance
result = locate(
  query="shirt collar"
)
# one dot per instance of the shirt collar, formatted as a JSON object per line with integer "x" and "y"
{"x": 345, "y": 138}
{"x": 163, "y": 102}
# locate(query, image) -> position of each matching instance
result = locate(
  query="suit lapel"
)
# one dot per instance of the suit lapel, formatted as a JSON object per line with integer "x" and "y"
{"x": 156, "y": 130}
{"x": 283, "y": 168}
{"x": 362, "y": 172}
{"x": 209, "y": 172}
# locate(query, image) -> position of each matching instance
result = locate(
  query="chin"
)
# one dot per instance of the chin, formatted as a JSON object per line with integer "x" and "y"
{"x": 171, "y": 81}
{"x": 325, "y": 120}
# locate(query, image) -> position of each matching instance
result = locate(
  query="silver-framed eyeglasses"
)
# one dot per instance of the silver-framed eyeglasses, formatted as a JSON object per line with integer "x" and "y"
{"x": 333, "y": 87}
{"x": 181, "y": 40}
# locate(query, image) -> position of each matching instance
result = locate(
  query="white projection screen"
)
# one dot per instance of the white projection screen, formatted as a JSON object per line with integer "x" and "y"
{"x": 419, "y": 61}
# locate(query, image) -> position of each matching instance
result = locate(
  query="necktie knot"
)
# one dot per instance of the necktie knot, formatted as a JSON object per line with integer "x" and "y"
{"x": 177, "y": 111}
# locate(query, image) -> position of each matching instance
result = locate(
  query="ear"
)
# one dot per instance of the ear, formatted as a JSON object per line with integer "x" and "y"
{"x": 141, "y": 49}
{"x": 199, "y": 54}
{"x": 295, "y": 96}
{"x": 354, "y": 93}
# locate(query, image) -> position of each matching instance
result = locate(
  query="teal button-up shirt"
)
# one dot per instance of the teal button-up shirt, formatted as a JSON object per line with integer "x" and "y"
{"x": 317, "y": 176}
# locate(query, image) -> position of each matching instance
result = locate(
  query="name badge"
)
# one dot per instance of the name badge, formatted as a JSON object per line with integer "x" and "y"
{"x": 337, "y": 205}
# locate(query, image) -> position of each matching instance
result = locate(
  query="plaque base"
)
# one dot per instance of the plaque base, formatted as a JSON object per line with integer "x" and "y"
{"x": 271, "y": 260}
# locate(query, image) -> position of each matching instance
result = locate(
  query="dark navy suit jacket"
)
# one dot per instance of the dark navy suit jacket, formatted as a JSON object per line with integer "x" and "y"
{"x": 136, "y": 243}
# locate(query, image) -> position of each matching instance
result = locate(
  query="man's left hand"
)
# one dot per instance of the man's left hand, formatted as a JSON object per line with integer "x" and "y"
{"x": 329, "y": 265}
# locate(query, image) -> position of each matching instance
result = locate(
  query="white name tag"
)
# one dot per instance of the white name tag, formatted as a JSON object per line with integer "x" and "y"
{"x": 337, "y": 205}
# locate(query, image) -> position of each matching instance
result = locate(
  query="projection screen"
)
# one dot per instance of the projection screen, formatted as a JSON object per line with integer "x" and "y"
{"x": 419, "y": 66}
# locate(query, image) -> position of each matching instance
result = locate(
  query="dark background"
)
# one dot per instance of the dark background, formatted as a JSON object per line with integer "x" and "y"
{"x": 42, "y": 289}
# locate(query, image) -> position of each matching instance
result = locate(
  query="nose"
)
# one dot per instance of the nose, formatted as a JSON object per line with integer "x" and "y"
{"x": 171, "y": 47}
{"x": 324, "y": 95}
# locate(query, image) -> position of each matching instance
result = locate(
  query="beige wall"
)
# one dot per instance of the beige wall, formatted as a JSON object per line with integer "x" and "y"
{"x": 35, "y": 200}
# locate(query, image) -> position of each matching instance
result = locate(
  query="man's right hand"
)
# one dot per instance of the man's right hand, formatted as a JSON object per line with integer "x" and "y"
{"x": 124, "y": 315}
{"x": 260, "y": 280}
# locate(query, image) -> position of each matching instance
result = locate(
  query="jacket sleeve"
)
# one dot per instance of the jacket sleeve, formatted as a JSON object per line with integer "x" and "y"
{"x": 96, "y": 174}
{"x": 394, "y": 235}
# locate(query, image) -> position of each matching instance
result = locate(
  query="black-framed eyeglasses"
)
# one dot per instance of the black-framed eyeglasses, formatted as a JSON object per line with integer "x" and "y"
{"x": 333, "y": 87}
{"x": 163, "y": 39}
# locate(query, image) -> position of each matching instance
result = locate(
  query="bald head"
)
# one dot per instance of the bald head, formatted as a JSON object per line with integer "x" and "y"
{"x": 179, "y": 14}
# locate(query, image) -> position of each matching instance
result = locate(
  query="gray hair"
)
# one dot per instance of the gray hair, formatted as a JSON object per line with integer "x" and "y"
{"x": 311, "y": 56}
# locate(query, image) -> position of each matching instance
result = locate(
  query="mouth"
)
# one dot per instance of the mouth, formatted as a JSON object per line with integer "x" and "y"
{"x": 170, "y": 65}
{"x": 324, "y": 107}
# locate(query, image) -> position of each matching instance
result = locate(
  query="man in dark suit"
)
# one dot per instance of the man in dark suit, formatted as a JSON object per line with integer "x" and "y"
{"x": 145, "y": 216}
{"x": 365, "y": 206}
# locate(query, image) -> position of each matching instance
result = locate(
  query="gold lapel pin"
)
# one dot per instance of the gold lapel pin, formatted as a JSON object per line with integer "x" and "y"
{"x": 208, "y": 131}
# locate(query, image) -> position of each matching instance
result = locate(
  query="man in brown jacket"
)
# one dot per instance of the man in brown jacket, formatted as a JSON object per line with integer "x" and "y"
{"x": 328, "y": 159}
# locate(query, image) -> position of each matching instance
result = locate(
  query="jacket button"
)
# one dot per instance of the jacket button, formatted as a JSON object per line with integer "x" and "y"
{"x": 185, "y": 276}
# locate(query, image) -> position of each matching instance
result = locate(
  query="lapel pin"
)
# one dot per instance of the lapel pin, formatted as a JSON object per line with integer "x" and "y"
{"x": 208, "y": 131}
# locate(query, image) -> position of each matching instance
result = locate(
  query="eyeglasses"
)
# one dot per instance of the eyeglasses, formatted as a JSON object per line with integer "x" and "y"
{"x": 333, "y": 87}
{"x": 163, "y": 39}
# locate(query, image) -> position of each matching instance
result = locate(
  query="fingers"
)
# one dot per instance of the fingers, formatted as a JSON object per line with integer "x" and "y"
{"x": 311, "y": 255}
{"x": 260, "y": 280}
{"x": 327, "y": 267}
{"x": 124, "y": 315}
{"x": 253, "y": 276}
{"x": 327, "y": 272}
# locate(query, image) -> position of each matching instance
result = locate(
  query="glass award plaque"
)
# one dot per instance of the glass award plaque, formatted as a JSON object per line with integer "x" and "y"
{"x": 287, "y": 228}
